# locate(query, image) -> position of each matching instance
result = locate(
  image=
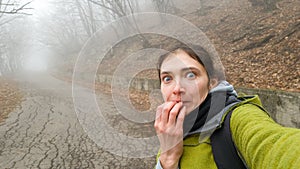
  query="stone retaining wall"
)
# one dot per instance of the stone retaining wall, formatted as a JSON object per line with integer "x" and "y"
{"x": 284, "y": 107}
{"x": 136, "y": 83}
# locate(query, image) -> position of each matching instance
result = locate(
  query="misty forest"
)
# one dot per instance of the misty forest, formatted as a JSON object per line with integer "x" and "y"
{"x": 71, "y": 70}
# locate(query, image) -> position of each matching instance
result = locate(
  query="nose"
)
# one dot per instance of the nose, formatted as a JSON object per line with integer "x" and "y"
{"x": 178, "y": 88}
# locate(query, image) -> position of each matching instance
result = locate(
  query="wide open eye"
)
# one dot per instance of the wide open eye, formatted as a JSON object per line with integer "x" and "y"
{"x": 190, "y": 75}
{"x": 166, "y": 79}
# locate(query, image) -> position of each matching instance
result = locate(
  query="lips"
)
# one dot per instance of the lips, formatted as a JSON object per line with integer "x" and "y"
{"x": 186, "y": 102}
{"x": 179, "y": 99}
{"x": 183, "y": 101}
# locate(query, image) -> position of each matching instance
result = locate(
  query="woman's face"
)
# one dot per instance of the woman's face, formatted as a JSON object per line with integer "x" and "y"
{"x": 183, "y": 79}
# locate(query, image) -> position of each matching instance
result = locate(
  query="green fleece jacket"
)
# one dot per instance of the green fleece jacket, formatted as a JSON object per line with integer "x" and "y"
{"x": 263, "y": 143}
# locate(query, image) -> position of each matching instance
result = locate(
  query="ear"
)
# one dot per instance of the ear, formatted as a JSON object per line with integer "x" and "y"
{"x": 213, "y": 83}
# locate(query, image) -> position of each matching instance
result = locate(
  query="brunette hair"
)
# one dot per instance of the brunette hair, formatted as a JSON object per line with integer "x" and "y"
{"x": 194, "y": 51}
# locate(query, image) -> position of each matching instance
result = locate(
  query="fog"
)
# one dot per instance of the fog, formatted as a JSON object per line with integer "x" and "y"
{"x": 78, "y": 78}
{"x": 30, "y": 30}
{"x": 49, "y": 35}
{"x": 36, "y": 63}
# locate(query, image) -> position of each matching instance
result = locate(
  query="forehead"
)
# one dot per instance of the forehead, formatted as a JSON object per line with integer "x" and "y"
{"x": 179, "y": 60}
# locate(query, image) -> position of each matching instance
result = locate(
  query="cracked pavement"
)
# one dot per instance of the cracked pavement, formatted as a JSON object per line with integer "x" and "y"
{"x": 44, "y": 132}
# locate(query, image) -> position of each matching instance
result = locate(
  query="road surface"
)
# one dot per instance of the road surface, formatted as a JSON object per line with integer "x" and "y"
{"x": 44, "y": 132}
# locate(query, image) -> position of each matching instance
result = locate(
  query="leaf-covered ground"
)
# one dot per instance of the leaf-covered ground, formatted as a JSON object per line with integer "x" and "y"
{"x": 259, "y": 48}
{"x": 10, "y": 97}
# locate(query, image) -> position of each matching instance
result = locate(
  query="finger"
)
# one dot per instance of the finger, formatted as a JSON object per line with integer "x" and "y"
{"x": 180, "y": 117}
{"x": 174, "y": 113}
{"x": 165, "y": 111}
{"x": 158, "y": 116}
{"x": 158, "y": 112}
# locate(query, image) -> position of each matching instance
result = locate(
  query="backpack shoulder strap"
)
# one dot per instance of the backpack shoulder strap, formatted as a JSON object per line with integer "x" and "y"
{"x": 223, "y": 148}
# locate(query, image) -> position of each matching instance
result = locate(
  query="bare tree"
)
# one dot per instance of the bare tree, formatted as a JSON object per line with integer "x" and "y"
{"x": 165, "y": 6}
{"x": 13, "y": 8}
{"x": 11, "y": 36}
{"x": 14, "y": 41}
{"x": 9, "y": 7}
{"x": 86, "y": 15}
{"x": 72, "y": 23}
{"x": 65, "y": 33}
{"x": 115, "y": 9}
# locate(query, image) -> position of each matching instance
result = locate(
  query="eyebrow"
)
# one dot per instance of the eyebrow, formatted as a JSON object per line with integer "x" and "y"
{"x": 183, "y": 70}
{"x": 190, "y": 68}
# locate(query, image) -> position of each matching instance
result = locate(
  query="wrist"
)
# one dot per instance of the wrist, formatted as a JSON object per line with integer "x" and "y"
{"x": 169, "y": 162}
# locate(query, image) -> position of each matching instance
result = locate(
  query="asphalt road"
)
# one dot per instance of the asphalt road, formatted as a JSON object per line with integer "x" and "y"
{"x": 46, "y": 132}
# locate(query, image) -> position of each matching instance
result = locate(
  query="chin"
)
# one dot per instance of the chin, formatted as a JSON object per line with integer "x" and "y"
{"x": 189, "y": 109}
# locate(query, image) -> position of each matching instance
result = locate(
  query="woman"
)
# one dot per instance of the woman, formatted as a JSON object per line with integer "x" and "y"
{"x": 196, "y": 101}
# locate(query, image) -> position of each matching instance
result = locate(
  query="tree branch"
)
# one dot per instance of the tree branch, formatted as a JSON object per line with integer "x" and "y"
{"x": 17, "y": 10}
{"x": 106, "y": 7}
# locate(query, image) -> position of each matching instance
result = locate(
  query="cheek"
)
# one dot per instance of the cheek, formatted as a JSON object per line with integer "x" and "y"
{"x": 200, "y": 89}
{"x": 166, "y": 92}
{"x": 203, "y": 87}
